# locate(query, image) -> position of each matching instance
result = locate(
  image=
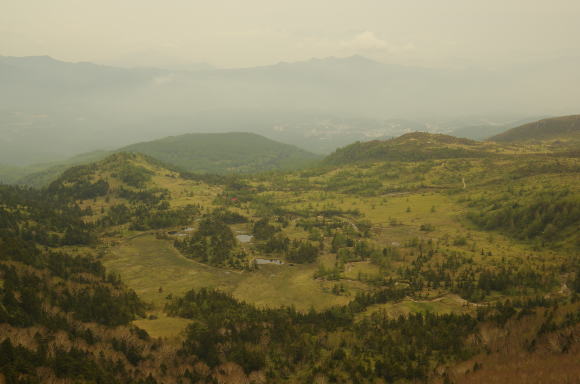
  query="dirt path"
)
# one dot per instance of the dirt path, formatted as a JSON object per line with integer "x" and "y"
{"x": 351, "y": 223}
{"x": 564, "y": 290}
{"x": 456, "y": 298}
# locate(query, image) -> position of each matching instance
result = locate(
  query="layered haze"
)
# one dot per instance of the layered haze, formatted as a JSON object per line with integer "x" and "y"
{"x": 52, "y": 108}
{"x": 78, "y": 77}
{"x": 288, "y": 192}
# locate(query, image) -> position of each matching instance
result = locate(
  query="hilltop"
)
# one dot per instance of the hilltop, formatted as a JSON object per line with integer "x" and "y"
{"x": 415, "y": 146}
{"x": 134, "y": 189}
{"x": 563, "y": 129}
{"x": 217, "y": 153}
{"x": 484, "y": 128}
{"x": 233, "y": 152}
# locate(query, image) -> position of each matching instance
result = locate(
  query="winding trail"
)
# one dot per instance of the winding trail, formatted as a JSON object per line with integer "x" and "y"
{"x": 458, "y": 299}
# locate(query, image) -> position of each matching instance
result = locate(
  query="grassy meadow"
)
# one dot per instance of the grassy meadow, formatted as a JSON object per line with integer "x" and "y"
{"x": 155, "y": 270}
{"x": 414, "y": 213}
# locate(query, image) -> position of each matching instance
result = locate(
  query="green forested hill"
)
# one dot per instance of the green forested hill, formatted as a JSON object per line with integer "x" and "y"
{"x": 235, "y": 152}
{"x": 218, "y": 153}
{"x": 414, "y": 146}
{"x": 558, "y": 128}
{"x": 42, "y": 174}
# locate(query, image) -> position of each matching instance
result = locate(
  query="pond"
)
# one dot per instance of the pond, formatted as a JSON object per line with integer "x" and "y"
{"x": 244, "y": 238}
{"x": 268, "y": 261}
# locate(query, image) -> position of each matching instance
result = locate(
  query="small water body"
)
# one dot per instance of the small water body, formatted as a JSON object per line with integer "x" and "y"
{"x": 244, "y": 238}
{"x": 268, "y": 261}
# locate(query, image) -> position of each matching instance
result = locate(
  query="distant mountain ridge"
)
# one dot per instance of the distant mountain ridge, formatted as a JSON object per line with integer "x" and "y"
{"x": 482, "y": 130}
{"x": 51, "y": 109}
{"x": 556, "y": 128}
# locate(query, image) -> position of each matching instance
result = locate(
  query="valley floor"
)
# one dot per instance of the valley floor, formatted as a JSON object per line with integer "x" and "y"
{"x": 156, "y": 270}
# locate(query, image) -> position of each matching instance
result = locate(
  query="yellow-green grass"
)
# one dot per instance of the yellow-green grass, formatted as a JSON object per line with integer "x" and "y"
{"x": 154, "y": 269}
{"x": 327, "y": 260}
{"x": 444, "y": 213}
{"x": 438, "y": 210}
{"x": 449, "y": 303}
{"x": 163, "y": 326}
{"x": 361, "y": 269}
{"x": 295, "y": 233}
{"x": 147, "y": 264}
{"x": 286, "y": 285}
{"x": 182, "y": 192}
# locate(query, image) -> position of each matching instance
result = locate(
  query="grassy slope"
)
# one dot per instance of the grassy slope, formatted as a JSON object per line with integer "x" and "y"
{"x": 448, "y": 303}
{"x": 147, "y": 264}
{"x": 414, "y": 146}
{"x": 38, "y": 175}
{"x": 409, "y": 209}
{"x": 426, "y": 200}
{"x": 558, "y": 128}
{"x": 395, "y": 197}
{"x": 410, "y": 194}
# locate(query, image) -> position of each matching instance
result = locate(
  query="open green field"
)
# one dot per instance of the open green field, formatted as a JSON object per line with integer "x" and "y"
{"x": 154, "y": 269}
{"x": 449, "y": 303}
{"x": 413, "y": 216}
{"x": 399, "y": 218}
{"x": 163, "y": 326}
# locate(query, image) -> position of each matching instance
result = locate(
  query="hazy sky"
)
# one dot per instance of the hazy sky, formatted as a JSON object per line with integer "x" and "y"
{"x": 233, "y": 33}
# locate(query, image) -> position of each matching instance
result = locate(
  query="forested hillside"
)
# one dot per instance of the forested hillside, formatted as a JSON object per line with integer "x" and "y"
{"x": 275, "y": 192}
{"x": 234, "y": 152}
{"x": 216, "y": 153}
{"x": 424, "y": 258}
{"x": 63, "y": 317}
